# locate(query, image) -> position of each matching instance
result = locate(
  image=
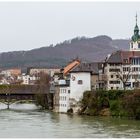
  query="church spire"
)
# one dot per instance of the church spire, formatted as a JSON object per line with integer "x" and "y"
{"x": 136, "y": 29}
{"x": 136, "y": 35}
{"x": 136, "y": 18}
{"x": 135, "y": 40}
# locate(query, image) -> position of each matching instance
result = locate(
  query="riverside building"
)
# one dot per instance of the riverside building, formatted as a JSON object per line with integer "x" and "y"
{"x": 122, "y": 68}
{"x": 75, "y": 80}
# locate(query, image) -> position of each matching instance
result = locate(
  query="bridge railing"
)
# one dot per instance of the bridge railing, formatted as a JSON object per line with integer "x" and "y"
{"x": 24, "y": 89}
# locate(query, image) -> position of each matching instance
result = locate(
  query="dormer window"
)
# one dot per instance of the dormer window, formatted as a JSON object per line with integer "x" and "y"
{"x": 126, "y": 60}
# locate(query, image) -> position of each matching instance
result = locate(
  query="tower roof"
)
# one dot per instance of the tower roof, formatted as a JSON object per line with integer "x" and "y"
{"x": 136, "y": 35}
{"x": 136, "y": 28}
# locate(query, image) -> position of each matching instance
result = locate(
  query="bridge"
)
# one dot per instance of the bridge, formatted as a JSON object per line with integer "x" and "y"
{"x": 10, "y": 94}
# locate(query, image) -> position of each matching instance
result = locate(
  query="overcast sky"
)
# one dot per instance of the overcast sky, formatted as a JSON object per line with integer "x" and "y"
{"x": 29, "y": 25}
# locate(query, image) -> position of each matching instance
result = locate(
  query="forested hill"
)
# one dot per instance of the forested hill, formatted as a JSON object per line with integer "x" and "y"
{"x": 88, "y": 49}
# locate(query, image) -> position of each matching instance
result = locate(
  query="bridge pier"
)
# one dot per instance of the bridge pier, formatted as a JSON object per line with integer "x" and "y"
{"x": 8, "y": 100}
{"x": 8, "y": 106}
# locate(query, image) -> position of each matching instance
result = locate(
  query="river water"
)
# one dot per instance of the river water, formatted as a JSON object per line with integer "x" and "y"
{"x": 27, "y": 121}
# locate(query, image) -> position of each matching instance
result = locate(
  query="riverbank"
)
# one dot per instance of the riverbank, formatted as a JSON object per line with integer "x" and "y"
{"x": 111, "y": 103}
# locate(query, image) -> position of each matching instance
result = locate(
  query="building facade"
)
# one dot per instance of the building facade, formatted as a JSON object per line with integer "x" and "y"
{"x": 122, "y": 68}
{"x": 61, "y": 97}
{"x": 49, "y": 71}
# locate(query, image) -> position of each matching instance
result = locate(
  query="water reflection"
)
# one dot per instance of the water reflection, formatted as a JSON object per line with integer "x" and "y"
{"x": 27, "y": 121}
{"x": 19, "y": 106}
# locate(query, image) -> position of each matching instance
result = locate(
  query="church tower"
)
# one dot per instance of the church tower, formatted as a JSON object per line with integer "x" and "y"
{"x": 135, "y": 40}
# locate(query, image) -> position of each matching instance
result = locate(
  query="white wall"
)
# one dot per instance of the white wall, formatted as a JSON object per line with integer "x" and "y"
{"x": 77, "y": 90}
{"x": 64, "y": 99}
{"x": 134, "y": 46}
{"x": 25, "y": 79}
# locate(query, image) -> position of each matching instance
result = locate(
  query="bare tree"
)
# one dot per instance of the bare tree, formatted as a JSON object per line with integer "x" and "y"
{"x": 43, "y": 86}
{"x": 136, "y": 77}
{"x": 124, "y": 74}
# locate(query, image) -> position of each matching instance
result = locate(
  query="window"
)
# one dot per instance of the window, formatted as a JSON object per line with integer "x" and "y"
{"x": 135, "y": 76}
{"x": 135, "y": 61}
{"x": 131, "y": 45}
{"x": 126, "y": 60}
{"x": 111, "y": 76}
{"x": 124, "y": 76}
{"x": 80, "y": 82}
{"x": 68, "y": 91}
{"x": 124, "y": 69}
{"x": 111, "y": 87}
{"x": 114, "y": 70}
{"x": 114, "y": 82}
{"x": 135, "y": 69}
{"x": 139, "y": 45}
{"x": 111, "y": 64}
{"x": 65, "y": 90}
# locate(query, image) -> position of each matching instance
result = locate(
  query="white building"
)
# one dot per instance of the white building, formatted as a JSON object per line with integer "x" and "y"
{"x": 61, "y": 97}
{"x": 68, "y": 95}
{"x": 49, "y": 71}
{"x": 79, "y": 83}
{"x": 6, "y": 73}
{"x": 27, "y": 79}
{"x": 64, "y": 96}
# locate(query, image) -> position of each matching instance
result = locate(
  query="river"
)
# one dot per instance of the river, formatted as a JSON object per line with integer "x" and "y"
{"x": 27, "y": 121}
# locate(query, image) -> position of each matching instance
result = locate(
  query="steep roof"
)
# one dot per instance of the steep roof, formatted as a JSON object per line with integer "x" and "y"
{"x": 88, "y": 67}
{"x": 70, "y": 66}
{"x": 120, "y": 56}
{"x": 115, "y": 57}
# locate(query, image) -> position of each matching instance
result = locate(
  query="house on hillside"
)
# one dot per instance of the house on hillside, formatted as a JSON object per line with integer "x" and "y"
{"x": 10, "y": 76}
{"x": 38, "y": 70}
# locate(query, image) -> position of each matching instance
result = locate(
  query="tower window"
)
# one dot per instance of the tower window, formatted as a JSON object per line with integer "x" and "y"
{"x": 131, "y": 45}
{"x": 139, "y": 45}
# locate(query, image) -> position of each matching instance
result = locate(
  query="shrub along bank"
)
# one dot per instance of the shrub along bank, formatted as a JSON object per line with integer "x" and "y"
{"x": 111, "y": 103}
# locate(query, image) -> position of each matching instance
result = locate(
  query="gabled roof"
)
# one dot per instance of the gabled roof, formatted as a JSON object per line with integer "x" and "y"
{"x": 88, "y": 67}
{"x": 70, "y": 66}
{"x": 115, "y": 57}
{"x": 120, "y": 56}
